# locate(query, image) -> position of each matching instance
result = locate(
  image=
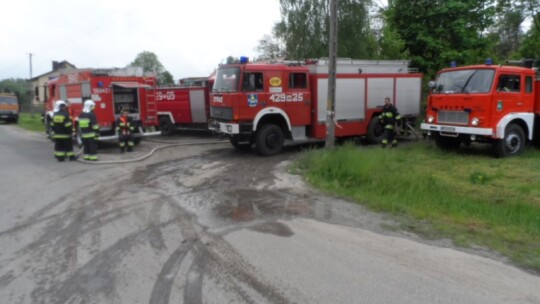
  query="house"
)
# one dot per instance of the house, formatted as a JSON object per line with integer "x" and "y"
{"x": 39, "y": 83}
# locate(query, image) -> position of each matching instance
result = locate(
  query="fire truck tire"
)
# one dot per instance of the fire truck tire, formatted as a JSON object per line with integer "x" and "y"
{"x": 375, "y": 131}
{"x": 269, "y": 140}
{"x": 240, "y": 145}
{"x": 447, "y": 143}
{"x": 513, "y": 142}
{"x": 166, "y": 126}
{"x": 48, "y": 128}
{"x": 78, "y": 137}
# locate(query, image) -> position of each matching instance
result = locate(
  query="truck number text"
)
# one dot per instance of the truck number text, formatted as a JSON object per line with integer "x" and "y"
{"x": 168, "y": 95}
{"x": 282, "y": 97}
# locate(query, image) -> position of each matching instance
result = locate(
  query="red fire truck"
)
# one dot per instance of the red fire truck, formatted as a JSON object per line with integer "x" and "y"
{"x": 112, "y": 90}
{"x": 494, "y": 104}
{"x": 266, "y": 103}
{"x": 183, "y": 107}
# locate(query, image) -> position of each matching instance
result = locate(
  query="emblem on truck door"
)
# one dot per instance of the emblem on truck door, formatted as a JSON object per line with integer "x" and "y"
{"x": 253, "y": 100}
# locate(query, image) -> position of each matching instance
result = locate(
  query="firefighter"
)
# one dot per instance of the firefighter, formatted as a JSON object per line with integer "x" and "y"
{"x": 388, "y": 119}
{"x": 62, "y": 128}
{"x": 89, "y": 130}
{"x": 124, "y": 129}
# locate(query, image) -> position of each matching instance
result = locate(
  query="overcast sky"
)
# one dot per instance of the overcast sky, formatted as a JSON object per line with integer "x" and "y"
{"x": 190, "y": 37}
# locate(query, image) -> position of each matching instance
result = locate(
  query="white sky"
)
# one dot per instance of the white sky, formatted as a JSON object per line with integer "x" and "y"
{"x": 190, "y": 37}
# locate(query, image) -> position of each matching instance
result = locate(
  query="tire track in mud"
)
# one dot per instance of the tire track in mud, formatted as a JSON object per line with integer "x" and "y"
{"x": 212, "y": 255}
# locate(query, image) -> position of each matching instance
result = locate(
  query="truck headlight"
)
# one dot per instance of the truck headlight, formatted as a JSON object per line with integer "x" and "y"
{"x": 475, "y": 121}
{"x": 430, "y": 119}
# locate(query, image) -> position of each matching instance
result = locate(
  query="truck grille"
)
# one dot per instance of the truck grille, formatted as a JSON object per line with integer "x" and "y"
{"x": 453, "y": 117}
{"x": 221, "y": 113}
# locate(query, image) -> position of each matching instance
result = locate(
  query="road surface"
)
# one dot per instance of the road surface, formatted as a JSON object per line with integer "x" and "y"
{"x": 205, "y": 223}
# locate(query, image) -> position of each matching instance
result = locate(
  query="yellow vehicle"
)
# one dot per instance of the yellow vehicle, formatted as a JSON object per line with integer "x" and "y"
{"x": 9, "y": 107}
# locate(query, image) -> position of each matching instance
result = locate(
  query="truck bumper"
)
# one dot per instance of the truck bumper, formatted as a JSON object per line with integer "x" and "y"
{"x": 225, "y": 128}
{"x": 455, "y": 130}
{"x": 9, "y": 116}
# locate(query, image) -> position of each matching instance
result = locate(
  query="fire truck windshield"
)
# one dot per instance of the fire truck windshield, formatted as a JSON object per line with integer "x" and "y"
{"x": 227, "y": 80}
{"x": 465, "y": 81}
{"x": 8, "y": 100}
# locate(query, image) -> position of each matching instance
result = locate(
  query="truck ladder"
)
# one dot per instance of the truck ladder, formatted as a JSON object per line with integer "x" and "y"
{"x": 151, "y": 111}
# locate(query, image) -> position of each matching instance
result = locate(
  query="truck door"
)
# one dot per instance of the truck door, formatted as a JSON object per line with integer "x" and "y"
{"x": 298, "y": 98}
{"x": 509, "y": 95}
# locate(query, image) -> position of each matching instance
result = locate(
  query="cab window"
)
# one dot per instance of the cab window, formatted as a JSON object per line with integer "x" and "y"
{"x": 297, "y": 81}
{"x": 253, "y": 82}
{"x": 509, "y": 83}
{"x": 528, "y": 84}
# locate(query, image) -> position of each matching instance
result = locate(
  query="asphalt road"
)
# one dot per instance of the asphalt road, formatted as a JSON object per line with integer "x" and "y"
{"x": 205, "y": 223}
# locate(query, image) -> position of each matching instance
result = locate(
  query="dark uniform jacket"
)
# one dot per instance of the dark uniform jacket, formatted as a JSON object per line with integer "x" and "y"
{"x": 88, "y": 125}
{"x": 61, "y": 124}
{"x": 124, "y": 126}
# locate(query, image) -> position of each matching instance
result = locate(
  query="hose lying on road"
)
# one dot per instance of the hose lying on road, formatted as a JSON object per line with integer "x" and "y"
{"x": 123, "y": 161}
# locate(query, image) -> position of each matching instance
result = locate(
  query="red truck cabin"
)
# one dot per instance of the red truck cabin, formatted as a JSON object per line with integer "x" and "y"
{"x": 241, "y": 91}
{"x": 483, "y": 103}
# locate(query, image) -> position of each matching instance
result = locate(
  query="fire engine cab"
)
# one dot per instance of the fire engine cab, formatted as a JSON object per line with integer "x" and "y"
{"x": 266, "y": 103}
{"x": 112, "y": 90}
{"x": 494, "y": 104}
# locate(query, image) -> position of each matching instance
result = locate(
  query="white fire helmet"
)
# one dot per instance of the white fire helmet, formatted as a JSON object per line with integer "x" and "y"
{"x": 88, "y": 106}
{"x": 57, "y": 105}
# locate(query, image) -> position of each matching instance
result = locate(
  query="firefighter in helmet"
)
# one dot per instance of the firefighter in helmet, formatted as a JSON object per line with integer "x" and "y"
{"x": 89, "y": 130}
{"x": 124, "y": 129}
{"x": 388, "y": 119}
{"x": 62, "y": 128}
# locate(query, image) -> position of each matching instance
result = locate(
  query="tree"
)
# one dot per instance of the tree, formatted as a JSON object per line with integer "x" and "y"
{"x": 270, "y": 47}
{"x": 150, "y": 64}
{"x": 304, "y": 28}
{"x": 506, "y": 33}
{"x": 18, "y": 87}
{"x": 437, "y": 32}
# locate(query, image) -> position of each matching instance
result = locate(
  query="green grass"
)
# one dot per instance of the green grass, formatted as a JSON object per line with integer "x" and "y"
{"x": 31, "y": 122}
{"x": 470, "y": 196}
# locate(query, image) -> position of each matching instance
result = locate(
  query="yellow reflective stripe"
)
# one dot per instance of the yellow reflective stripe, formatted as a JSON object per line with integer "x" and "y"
{"x": 60, "y": 136}
{"x": 88, "y": 135}
{"x": 84, "y": 122}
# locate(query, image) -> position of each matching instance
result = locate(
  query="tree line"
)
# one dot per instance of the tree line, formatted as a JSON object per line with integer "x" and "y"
{"x": 429, "y": 33}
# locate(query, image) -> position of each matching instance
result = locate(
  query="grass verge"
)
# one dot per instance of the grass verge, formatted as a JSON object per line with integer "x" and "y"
{"x": 472, "y": 198}
{"x": 31, "y": 122}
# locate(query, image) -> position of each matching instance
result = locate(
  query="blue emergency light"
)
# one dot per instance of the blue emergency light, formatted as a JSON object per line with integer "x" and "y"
{"x": 453, "y": 64}
{"x": 244, "y": 59}
{"x": 489, "y": 61}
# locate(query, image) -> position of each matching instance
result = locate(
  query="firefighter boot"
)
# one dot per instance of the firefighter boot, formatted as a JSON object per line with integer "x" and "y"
{"x": 384, "y": 143}
{"x": 121, "y": 149}
{"x": 394, "y": 144}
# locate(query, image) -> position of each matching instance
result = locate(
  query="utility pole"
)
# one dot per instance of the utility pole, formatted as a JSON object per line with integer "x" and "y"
{"x": 330, "y": 107}
{"x": 31, "y": 85}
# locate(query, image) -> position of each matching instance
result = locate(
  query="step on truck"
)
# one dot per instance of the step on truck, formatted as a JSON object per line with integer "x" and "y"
{"x": 112, "y": 90}
{"x": 266, "y": 103}
{"x": 492, "y": 104}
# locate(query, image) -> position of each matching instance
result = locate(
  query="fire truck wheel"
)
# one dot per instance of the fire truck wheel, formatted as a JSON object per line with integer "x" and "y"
{"x": 375, "y": 131}
{"x": 48, "y": 129}
{"x": 240, "y": 145}
{"x": 269, "y": 140}
{"x": 78, "y": 137}
{"x": 166, "y": 126}
{"x": 513, "y": 142}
